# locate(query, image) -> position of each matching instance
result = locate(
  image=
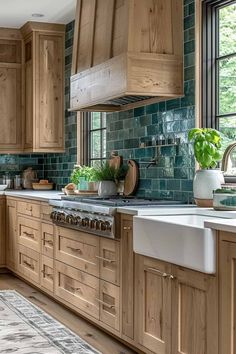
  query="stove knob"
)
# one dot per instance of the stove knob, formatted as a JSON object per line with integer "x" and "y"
{"x": 99, "y": 224}
{"x": 103, "y": 226}
{"x": 53, "y": 215}
{"x": 62, "y": 217}
{"x": 85, "y": 222}
{"x": 68, "y": 219}
{"x": 93, "y": 223}
{"x": 108, "y": 226}
{"x": 78, "y": 220}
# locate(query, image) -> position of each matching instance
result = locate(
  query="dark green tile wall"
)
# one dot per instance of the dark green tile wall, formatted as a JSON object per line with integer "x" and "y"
{"x": 126, "y": 131}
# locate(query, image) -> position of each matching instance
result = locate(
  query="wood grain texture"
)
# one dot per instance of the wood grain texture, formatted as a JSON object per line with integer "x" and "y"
{"x": 131, "y": 178}
{"x": 11, "y": 234}
{"x": 47, "y": 239}
{"x": 2, "y": 232}
{"x": 147, "y": 33}
{"x": 28, "y": 263}
{"x": 28, "y": 232}
{"x": 100, "y": 340}
{"x": 47, "y": 274}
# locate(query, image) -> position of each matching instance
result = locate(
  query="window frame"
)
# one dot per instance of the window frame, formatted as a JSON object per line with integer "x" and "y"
{"x": 209, "y": 48}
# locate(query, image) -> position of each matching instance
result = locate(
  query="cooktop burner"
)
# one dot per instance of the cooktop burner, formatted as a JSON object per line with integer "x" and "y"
{"x": 117, "y": 201}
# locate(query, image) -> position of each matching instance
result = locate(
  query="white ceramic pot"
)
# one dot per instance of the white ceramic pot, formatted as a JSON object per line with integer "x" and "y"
{"x": 107, "y": 188}
{"x": 205, "y": 181}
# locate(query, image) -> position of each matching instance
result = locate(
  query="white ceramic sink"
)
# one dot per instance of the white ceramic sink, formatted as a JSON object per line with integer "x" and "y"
{"x": 178, "y": 237}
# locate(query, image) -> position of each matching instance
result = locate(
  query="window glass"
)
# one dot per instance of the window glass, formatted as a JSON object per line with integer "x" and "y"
{"x": 227, "y": 35}
{"x": 96, "y": 138}
{"x": 227, "y": 85}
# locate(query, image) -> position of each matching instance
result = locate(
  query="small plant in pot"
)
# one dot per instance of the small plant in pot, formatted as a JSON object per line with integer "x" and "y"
{"x": 84, "y": 177}
{"x": 108, "y": 177}
{"x": 207, "y": 145}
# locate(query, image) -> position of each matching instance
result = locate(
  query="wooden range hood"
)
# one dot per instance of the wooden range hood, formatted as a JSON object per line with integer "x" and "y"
{"x": 126, "y": 53}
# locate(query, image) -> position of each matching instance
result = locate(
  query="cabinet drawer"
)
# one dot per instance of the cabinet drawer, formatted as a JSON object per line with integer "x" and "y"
{"x": 29, "y": 232}
{"x": 77, "y": 249}
{"x": 77, "y": 288}
{"x": 46, "y": 210}
{"x": 109, "y": 302}
{"x": 28, "y": 208}
{"x": 109, "y": 259}
{"x": 47, "y": 239}
{"x": 28, "y": 263}
{"x": 47, "y": 273}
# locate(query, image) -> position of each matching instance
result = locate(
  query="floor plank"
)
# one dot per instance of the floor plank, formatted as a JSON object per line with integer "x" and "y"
{"x": 94, "y": 336}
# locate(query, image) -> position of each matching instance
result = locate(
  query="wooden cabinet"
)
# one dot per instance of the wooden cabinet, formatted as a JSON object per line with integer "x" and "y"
{"x": 127, "y": 285}
{"x": 10, "y": 91}
{"x": 194, "y": 312}
{"x": 44, "y": 87}
{"x": 29, "y": 232}
{"x": 176, "y": 308}
{"x": 153, "y": 304}
{"x": 126, "y": 53}
{"x": 47, "y": 240}
{"x": 109, "y": 260}
{"x": 11, "y": 234}
{"x": 47, "y": 273}
{"x": 28, "y": 263}
{"x": 2, "y": 233}
{"x": 227, "y": 314}
{"x": 28, "y": 208}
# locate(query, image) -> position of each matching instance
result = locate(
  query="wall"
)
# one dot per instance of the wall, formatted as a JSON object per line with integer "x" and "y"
{"x": 126, "y": 131}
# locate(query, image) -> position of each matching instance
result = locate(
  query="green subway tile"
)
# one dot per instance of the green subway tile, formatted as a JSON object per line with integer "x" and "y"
{"x": 189, "y": 73}
{"x": 173, "y": 104}
{"x": 152, "y": 108}
{"x": 189, "y": 21}
{"x": 140, "y": 111}
{"x": 189, "y": 47}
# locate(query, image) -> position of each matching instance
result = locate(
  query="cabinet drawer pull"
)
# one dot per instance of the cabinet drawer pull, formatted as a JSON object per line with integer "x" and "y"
{"x": 163, "y": 274}
{"x": 28, "y": 265}
{"x": 47, "y": 274}
{"x": 29, "y": 208}
{"x": 105, "y": 304}
{"x": 127, "y": 228}
{"x": 48, "y": 241}
{"x": 106, "y": 259}
{"x": 28, "y": 234}
{"x": 74, "y": 249}
{"x": 73, "y": 288}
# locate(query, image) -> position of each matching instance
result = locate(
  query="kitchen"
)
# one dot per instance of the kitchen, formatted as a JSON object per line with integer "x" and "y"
{"x": 104, "y": 101}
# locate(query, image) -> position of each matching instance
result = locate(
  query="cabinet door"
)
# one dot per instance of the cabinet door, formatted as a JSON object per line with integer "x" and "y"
{"x": 109, "y": 260}
{"x": 49, "y": 94}
{"x": 194, "y": 313}
{"x": 2, "y": 232}
{"x": 109, "y": 303}
{"x": 10, "y": 108}
{"x": 29, "y": 95}
{"x": 11, "y": 233}
{"x": 153, "y": 304}
{"x": 127, "y": 264}
{"x": 47, "y": 273}
{"x": 227, "y": 320}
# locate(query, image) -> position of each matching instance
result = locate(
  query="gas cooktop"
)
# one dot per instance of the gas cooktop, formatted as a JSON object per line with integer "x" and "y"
{"x": 117, "y": 201}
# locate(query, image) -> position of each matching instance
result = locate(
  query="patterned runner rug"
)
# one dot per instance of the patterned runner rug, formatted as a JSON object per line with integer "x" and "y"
{"x": 26, "y": 329}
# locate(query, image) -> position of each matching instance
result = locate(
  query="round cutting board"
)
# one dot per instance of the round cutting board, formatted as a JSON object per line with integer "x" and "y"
{"x": 131, "y": 178}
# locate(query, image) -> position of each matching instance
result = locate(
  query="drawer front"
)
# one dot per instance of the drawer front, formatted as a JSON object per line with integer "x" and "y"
{"x": 47, "y": 240}
{"x": 77, "y": 249}
{"x": 109, "y": 259}
{"x": 77, "y": 288}
{"x": 28, "y": 232}
{"x": 47, "y": 273}
{"x": 28, "y": 263}
{"x": 46, "y": 210}
{"x": 28, "y": 208}
{"x": 109, "y": 302}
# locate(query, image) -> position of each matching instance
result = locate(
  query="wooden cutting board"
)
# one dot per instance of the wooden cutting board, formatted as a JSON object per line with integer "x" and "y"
{"x": 131, "y": 178}
{"x": 116, "y": 161}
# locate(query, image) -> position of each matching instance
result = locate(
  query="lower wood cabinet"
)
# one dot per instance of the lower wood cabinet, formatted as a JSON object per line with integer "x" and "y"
{"x": 29, "y": 232}
{"x": 176, "y": 309}
{"x": 47, "y": 239}
{"x": 47, "y": 273}
{"x": 28, "y": 264}
{"x": 109, "y": 304}
{"x": 227, "y": 275}
{"x": 2, "y": 233}
{"x": 11, "y": 234}
{"x": 153, "y": 305}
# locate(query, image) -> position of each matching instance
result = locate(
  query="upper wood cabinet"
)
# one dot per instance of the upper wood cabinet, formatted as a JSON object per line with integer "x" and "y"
{"x": 44, "y": 87}
{"x": 126, "y": 53}
{"x": 10, "y": 91}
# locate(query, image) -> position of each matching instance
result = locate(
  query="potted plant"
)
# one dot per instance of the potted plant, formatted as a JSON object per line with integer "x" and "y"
{"x": 84, "y": 178}
{"x": 207, "y": 145}
{"x": 108, "y": 177}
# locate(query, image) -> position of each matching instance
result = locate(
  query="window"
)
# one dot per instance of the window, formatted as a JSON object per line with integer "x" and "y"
{"x": 219, "y": 67}
{"x": 95, "y": 149}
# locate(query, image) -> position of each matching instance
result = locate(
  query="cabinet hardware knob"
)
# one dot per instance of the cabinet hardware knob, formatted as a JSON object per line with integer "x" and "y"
{"x": 73, "y": 288}
{"x": 163, "y": 274}
{"x": 105, "y": 304}
{"x": 47, "y": 274}
{"x": 126, "y": 228}
{"x": 106, "y": 259}
{"x": 47, "y": 241}
{"x": 171, "y": 277}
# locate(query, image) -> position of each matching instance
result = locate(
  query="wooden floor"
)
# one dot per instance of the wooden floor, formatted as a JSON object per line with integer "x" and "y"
{"x": 97, "y": 338}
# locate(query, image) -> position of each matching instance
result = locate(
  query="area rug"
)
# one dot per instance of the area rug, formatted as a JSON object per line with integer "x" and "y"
{"x": 26, "y": 329}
